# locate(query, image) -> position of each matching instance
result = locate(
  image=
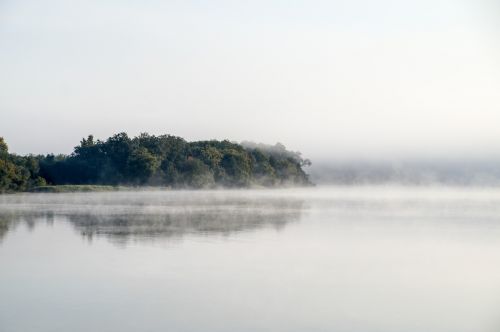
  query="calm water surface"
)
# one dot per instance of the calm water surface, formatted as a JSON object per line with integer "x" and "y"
{"x": 318, "y": 259}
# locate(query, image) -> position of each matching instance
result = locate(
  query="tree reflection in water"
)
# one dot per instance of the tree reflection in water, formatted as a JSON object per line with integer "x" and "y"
{"x": 121, "y": 217}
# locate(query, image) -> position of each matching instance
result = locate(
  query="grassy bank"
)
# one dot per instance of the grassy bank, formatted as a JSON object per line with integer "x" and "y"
{"x": 75, "y": 188}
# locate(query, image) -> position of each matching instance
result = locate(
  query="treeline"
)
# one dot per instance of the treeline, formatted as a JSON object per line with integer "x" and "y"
{"x": 157, "y": 161}
{"x": 18, "y": 173}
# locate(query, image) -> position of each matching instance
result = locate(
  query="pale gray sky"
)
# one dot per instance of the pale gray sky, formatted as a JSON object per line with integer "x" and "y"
{"x": 330, "y": 78}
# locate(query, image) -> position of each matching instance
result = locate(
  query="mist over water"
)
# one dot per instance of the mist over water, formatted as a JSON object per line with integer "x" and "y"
{"x": 395, "y": 103}
{"x": 150, "y": 215}
{"x": 462, "y": 171}
{"x": 371, "y": 258}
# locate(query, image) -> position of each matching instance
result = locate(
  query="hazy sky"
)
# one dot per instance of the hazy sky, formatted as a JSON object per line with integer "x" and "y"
{"x": 330, "y": 78}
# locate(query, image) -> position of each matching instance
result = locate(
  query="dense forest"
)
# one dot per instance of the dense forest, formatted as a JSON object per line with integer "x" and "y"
{"x": 155, "y": 161}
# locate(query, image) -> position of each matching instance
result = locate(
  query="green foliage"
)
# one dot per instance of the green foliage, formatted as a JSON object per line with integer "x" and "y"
{"x": 3, "y": 146}
{"x": 237, "y": 168}
{"x": 141, "y": 165}
{"x": 155, "y": 160}
{"x": 17, "y": 173}
{"x": 196, "y": 174}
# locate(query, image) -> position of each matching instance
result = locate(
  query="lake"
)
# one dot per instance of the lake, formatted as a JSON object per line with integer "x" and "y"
{"x": 355, "y": 259}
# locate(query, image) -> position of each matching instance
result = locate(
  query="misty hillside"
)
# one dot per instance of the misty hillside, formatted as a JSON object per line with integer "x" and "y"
{"x": 415, "y": 172}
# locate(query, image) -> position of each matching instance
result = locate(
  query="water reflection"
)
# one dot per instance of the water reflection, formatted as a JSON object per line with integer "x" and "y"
{"x": 360, "y": 259}
{"x": 149, "y": 215}
{"x": 4, "y": 227}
